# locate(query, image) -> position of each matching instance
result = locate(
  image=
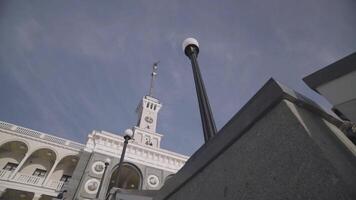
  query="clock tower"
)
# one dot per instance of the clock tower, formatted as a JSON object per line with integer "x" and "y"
{"x": 147, "y": 110}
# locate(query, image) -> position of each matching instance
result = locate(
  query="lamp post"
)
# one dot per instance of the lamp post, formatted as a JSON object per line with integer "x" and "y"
{"x": 107, "y": 162}
{"x": 128, "y": 136}
{"x": 191, "y": 49}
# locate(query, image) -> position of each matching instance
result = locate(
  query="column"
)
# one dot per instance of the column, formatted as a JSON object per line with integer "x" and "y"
{"x": 20, "y": 165}
{"x": 36, "y": 196}
{"x": 51, "y": 172}
{"x": 2, "y": 191}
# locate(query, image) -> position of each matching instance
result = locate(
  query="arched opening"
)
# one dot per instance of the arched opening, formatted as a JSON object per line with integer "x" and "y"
{"x": 11, "y": 154}
{"x": 63, "y": 172}
{"x": 129, "y": 177}
{"x": 37, "y": 165}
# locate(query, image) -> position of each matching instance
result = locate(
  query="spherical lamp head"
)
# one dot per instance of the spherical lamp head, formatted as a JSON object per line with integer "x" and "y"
{"x": 190, "y": 42}
{"x": 128, "y": 133}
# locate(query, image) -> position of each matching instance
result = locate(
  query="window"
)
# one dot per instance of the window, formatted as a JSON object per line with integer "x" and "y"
{"x": 10, "y": 166}
{"x": 39, "y": 173}
{"x": 65, "y": 178}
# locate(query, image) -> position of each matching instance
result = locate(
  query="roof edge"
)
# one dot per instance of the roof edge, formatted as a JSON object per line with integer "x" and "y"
{"x": 331, "y": 72}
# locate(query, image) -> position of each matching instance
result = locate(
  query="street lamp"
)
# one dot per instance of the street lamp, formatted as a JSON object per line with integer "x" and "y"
{"x": 127, "y": 136}
{"x": 191, "y": 49}
{"x": 107, "y": 162}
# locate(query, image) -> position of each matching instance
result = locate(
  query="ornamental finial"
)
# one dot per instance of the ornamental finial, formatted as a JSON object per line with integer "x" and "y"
{"x": 153, "y": 77}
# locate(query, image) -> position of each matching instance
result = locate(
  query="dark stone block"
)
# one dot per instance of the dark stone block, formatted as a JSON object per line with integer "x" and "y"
{"x": 279, "y": 146}
{"x": 77, "y": 176}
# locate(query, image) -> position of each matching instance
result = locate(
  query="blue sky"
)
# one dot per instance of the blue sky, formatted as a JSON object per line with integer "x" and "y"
{"x": 69, "y": 67}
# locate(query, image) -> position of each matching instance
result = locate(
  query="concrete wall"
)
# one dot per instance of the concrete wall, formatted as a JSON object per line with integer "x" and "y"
{"x": 289, "y": 153}
{"x": 336, "y": 82}
{"x": 341, "y": 93}
{"x": 340, "y": 90}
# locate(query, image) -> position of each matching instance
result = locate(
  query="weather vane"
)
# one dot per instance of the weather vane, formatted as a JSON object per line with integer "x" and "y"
{"x": 153, "y": 77}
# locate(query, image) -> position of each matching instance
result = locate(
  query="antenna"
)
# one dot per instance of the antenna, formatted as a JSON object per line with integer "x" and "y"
{"x": 153, "y": 77}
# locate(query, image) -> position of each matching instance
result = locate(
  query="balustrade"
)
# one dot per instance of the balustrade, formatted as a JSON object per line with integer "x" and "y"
{"x": 55, "y": 184}
{"x": 37, "y": 134}
{"x": 28, "y": 179}
{"x": 5, "y": 174}
{"x": 31, "y": 180}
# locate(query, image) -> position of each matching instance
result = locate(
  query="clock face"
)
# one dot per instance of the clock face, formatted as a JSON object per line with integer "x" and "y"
{"x": 148, "y": 119}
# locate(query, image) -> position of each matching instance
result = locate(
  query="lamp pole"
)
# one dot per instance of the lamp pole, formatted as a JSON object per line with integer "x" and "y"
{"x": 191, "y": 49}
{"x": 102, "y": 179}
{"x": 128, "y": 136}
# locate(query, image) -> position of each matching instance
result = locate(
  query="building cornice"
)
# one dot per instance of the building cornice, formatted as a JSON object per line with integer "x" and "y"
{"x": 112, "y": 145}
{"x": 39, "y": 136}
{"x": 331, "y": 72}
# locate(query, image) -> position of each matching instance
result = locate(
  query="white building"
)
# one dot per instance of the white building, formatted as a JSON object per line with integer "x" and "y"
{"x": 35, "y": 165}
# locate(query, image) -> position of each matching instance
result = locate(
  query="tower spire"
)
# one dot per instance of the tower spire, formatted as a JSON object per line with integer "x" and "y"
{"x": 153, "y": 77}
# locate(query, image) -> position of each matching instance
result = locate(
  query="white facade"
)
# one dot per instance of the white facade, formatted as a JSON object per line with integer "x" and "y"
{"x": 148, "y": 165}
{"x": 145, "y": 146}
{"x": 35, "y": 165}
{"x": 109, "y": 144}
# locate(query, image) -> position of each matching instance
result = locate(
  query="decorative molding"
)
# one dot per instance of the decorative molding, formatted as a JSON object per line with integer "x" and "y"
{"x": 43, "y": 137}
{"x": 153, "y": 181}
{"x": 98, "y": 167}
{"x": 91, "y": 186}
{"x": 112, "y": 145}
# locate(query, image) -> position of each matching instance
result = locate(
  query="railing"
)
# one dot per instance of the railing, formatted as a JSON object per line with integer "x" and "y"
{"x": 56, "y": 185}
{"x": 44, "y": 136}
{"x": 5, "y": 174}
{"x": 31, "y": 180}
{"x": 28, "y": 179}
